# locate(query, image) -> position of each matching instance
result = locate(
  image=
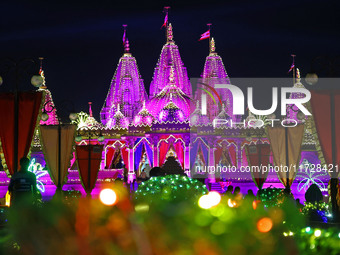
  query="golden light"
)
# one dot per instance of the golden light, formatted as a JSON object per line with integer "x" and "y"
{"x": 264, "y": 224}
{"x": 231, "y": 203}
{"x": 142, "y": 208}
{"x": 108, "y": 197}
{"x": 211, "y": 199}
{"x": 214, "y": 197}
{"x": 8, "y": 199}
{"x": 317, "y": 233}
{"x": 204, "y": 202}
{"x": 256, "y": 203}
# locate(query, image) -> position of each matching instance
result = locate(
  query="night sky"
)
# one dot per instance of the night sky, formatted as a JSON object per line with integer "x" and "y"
{"x": 82, "y": 41}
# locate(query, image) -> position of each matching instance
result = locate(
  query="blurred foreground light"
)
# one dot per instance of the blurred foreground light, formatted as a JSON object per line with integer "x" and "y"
{"x": 108, "y": 196}
{"x": 264, "y": 224}
{"x": 311, "y": 78}
{"x": 211, "y": 199}
{"x": 214, "y": 197}
{"x": 231, "y": 203}
{"x": 204, "y": 202}
{"x": 1, "y": 80}
{"x": 317, "y": 233}
{"x": 73, "y": 116}
{"x": 142, "y": 208}
{"x": 308, "y": 229}
{"x": 37, "y": 80}
{"x": 44, "y": 116}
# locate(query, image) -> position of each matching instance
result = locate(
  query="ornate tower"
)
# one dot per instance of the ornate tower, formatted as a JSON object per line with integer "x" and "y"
{"x": 293, "y": 112}
{"x": 170, "y": 57}
{"x": 126, "y": 89}
{"x": 214, "y": 73}
{"x": 49, "y": 106}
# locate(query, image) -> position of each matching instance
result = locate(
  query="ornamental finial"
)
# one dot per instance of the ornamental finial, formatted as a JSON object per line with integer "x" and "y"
{"x": 90, "y": 109}
{"x": 298, "y": 77}
{"x": 127, "y": 46}
{"x": 41, "y": 72}
{"x": 172, "y": 75}
{"x": 169, "y": 33}
{"x": 212, "y": 45}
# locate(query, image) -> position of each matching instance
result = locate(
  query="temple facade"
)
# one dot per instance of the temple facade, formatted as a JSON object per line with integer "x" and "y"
{"x": 141, "y": 132}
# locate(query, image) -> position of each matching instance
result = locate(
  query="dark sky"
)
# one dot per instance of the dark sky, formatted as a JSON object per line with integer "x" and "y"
{"x": 82, "y": 41}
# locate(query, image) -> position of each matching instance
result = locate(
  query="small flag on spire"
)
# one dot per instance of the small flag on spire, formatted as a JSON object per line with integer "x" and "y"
{"x": 165, "y": 21}
{"x": 293, "y": 64}
{"x": 205, "y": 35}
{"x": 292, "y": 67}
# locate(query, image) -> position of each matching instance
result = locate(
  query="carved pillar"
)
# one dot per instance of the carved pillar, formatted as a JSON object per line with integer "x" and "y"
{"x": 131, "y": 167}
{"x": 187, "y": 155}
{"x": 211, "y": 161}
{"x": 155, "y": 140}
{"x": 239, "y": 153}
{"x": 103, "y": 163}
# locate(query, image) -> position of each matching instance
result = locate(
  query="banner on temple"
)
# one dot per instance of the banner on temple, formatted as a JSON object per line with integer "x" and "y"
{"x": 323, "y": 109}
{"x": 277, "y": 137}
{"x": 49, "y": 137}
{"x": 89, "y": 158}
{"x": 259, "y": 156}
{"x": 28, "y": 109}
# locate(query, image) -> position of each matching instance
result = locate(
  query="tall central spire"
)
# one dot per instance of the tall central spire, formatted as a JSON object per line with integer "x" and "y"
{"x": 169, "y": 57}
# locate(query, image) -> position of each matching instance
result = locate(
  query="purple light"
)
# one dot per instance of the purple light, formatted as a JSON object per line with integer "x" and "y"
{"x": 170, "y": 58}
{"x": 126, "y": 90}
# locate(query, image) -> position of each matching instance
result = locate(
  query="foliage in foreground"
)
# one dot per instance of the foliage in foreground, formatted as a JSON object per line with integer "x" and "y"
{"x": 163, "y": 226}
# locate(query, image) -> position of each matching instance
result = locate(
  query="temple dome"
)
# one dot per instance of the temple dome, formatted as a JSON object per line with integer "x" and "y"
{"x": 170, "y": 93}
{"x": 144, "y": 117}
{"x": 118, "y": 120}
{"x": 171, "y": 113}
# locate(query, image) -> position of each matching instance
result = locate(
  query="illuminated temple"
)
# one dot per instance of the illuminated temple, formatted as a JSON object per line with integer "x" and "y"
{"x": 142, "y": 131}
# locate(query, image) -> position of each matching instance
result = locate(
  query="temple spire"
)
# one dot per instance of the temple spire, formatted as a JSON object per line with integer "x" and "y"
{"x": 172, "y": 75}
{"x": 126, "y": 41}
{"x": 126, "y": 88}
{"x": 41, "y": 72}
{"x": 212, "y": 46}
{"x": 127, "y": 46}
{"x": 170, "y": 35}
{"x": 90, "y": 109}
{"x": 49, "y": 106}
{"x": 298, "y": 77}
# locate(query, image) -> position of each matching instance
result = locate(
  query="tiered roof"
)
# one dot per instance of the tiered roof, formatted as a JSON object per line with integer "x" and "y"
{"x": 49, "y": 106}
{"x": 170, "y": 58}
{"x": 214, "y": 72}
{"x": 126, "y": 89}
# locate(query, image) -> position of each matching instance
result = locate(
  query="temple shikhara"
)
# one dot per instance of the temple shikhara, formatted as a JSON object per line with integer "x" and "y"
{"x": 165, "y": 127}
